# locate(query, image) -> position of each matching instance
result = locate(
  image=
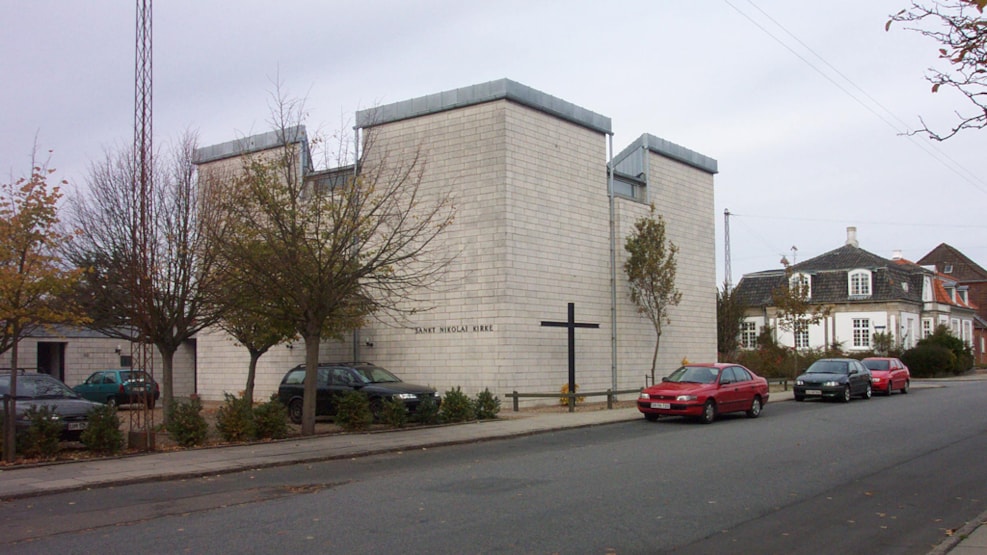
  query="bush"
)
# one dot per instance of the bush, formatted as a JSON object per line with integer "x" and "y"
{"x": 42, "y": 436}
{"x": 353, "y": 412}
{"x": 271, "y": 419}
{"x": 487, "y": 405}
{"x": 187, "y": 426}
{"x": 235, "y": 419}
{"x": 456, "y": 406}
{"x": 394, "y": 413}
{"x": 564, "y": 399}
{"x": 427, "y": 411}
{"x": 103, "y": 434}
{"x": 928, "y": 361}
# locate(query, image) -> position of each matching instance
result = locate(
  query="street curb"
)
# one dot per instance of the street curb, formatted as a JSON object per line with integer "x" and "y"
{"x": 959, "y": 535}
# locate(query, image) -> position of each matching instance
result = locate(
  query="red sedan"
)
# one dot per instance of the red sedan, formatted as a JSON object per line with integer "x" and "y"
{"x": 888, "y": 374}
{"x": 704, "y": 391}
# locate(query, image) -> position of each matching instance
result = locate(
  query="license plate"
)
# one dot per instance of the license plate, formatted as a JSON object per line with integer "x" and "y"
{"x": 74, "y": 426}
{"x": 661, "y": 405}
{"x": 813, "y": 392}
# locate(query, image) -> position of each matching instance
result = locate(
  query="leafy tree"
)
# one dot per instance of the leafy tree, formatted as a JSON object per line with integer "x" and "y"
{"x": 33, "y": 280}
{"x": 794, "y": 308}
{"x": 650, "y": 269}
{"x": 181, "y": 282}
{"x": 324, "y": 254}
{"x": 961, "y": 30}
{"x": 729, "y": 317}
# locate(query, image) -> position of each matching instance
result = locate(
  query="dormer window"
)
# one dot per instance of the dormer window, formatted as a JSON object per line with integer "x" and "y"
{"x": 802, "y": 283}
{"x": 947, "y": 268}
{"x": 859, "y": 283}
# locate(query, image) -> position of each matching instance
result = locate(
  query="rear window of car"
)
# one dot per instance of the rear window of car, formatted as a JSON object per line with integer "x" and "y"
{"x": 877, "y": 364}
{"x": 295, "y": 377}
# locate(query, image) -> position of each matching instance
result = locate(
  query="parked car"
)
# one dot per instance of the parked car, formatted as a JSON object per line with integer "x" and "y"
{"x": 888, "y": 374}
{"x": 42, "y": 390}
{"x": 835, "y": 378}
{"x": 705, "y": 391}
{"x": 122, "y": 386}
{"x": 338, "y": 379}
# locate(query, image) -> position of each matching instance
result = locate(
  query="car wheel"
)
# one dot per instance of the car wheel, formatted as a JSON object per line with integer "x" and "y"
{"x": 846, "y": 394}
{"x": 904, "y": 388}
{"x": 709, "y": 412}
{"x": 868, "y": 392}
{"x": 111, "y": 401}
{"x": 755, "y": 409}
{"x": 890, "y": 388}
{"x": 295, "y": 411}
{"x": 800, "y": 398}
{"x": 651, "y": 417}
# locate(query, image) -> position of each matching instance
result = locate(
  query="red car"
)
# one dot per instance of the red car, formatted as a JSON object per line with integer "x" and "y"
{"x": 888, "y": 374}
{"x": 704, "y": 391}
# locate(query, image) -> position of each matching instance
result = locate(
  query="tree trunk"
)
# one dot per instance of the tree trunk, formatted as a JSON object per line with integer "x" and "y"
{"x": 312, "y": 343}
{"x": 654, "y": 358}
{"x": 10, "y": 420}
{"x": 167, "y": 389}
{"x": 248, "y": 391}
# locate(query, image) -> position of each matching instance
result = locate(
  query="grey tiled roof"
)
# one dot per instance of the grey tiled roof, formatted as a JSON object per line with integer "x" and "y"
{"x": 829, "y": 279}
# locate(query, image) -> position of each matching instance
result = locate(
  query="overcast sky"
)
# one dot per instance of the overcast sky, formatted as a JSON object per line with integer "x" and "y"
{"x": 801, "y": 103}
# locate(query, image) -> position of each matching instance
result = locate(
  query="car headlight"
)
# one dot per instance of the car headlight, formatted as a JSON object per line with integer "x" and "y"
{"x": 644, "y": 395}
{"x": 405, "y": 396}
{"x": 686, "y": 398}
{"x": 831, "y": 383}
{"x": 799, "y": 382}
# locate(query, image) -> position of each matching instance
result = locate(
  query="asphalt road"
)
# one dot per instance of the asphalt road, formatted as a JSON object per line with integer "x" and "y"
{"x": 888, "y": 475}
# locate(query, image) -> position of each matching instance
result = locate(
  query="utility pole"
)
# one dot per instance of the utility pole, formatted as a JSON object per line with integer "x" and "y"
{"x": 727, "y": 279}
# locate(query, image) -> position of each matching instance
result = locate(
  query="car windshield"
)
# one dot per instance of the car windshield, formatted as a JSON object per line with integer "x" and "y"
{"x": 375, "y": 374}
{"x": 33, "y": 388}
{"x": 827, "y": 367}
{"x": 694, "y": 374}
{"x": 877, "y": 364}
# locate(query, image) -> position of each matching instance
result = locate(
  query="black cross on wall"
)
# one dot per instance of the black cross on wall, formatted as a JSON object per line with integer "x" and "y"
{"x": 571, "y": 324}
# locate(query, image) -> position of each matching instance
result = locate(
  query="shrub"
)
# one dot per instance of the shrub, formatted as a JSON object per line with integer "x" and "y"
{"x": 353, "y": 412}
{"x": 456, "y": 406}
{"x": 235, "y": 419}
{"x": 427, "y": 411}
{"x": 927, "y": 361}
{"x": 271, "y": 419}
{"x": 186, "y": 425}
{"x": 103, "y": 434}
{"x": 487, "y": 405}
{"x": 564, "y": 399}
{"x": 394, "y": 413}
{"x": 943, "y": 337}
{"x": 42, "y": 436}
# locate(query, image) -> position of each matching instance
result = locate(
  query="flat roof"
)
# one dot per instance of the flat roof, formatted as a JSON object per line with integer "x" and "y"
{"x": 501, "y": 89}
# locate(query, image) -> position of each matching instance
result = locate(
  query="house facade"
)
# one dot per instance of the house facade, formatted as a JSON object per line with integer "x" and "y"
{"x": 865, "y": 293}
{"x": 971, "y": 284}
{"x": 540, "y": 223}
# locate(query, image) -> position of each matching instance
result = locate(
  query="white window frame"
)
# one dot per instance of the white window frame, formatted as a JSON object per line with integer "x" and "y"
{"x": 801, "y": 332}
{"x": 861, "y": 333}
{"x": 748, "y": 335}
{"x": 803, "y": 279}
{"x": 927, "y": 327}
{"x": 859, "y": 283}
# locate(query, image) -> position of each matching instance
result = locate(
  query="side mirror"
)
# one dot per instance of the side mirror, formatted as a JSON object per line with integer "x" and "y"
{"x": 664, "y": 378}
{"x": 726, "y": 382}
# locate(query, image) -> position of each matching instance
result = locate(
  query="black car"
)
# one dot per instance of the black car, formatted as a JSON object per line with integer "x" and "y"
{"x": 338, "y": 379}
{"x": 835, "y": 378}
{"x": 42, "y": 390}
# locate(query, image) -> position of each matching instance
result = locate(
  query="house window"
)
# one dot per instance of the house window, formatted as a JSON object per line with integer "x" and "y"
{"x": 859, "y": 283}
{"x": 861, "y": 333}
{"x": 801, "y": 336}
{"x": 947, "y": 269}
{"x": 629, "y": 188}
{"x": 801, "y": 282}
{"x": 926, "y": 327}
{"x": 967, "y": 332}
{"x": 954, "y": 325}
{"x": 748, "y": 335}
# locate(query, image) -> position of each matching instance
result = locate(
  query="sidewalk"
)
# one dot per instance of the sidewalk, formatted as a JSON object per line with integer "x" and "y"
{"x": 17, "y": 482}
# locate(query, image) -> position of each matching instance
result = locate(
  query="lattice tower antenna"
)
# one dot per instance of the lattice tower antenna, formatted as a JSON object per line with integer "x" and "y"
{"x": 142, "y": 420}
{"x": 727, "y": 279}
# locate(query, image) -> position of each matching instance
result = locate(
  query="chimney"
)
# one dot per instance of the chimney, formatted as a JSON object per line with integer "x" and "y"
{"x": 896, "y": 254}
{"x": 851, "y": 237}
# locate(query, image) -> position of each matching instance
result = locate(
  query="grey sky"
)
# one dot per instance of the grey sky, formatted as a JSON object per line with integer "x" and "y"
{"x": 802, "y": 155}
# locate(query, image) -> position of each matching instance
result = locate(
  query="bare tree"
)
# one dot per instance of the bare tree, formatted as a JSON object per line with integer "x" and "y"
{"x": 795, "y": 309}
{"x": 651, "y": 269}
{"x": 961, "y": 30}
{"x": 182, "y": 274}
{"x": 323, "y": 251}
